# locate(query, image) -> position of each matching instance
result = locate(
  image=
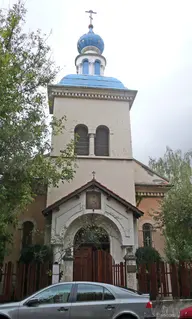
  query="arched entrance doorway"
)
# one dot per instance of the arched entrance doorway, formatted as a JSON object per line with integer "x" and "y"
{"x": 93, "y": 236}
{"x": 92, "y": 259}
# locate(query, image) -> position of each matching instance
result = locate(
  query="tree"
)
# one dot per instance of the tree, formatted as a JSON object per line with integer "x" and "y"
{"x": 26, "y": 69}
{"x": 175, "y": 217}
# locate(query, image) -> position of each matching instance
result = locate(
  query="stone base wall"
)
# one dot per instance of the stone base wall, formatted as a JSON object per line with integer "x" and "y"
{"x": 169, "y": 309}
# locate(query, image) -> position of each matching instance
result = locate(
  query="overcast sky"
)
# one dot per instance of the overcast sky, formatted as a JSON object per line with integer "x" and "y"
{"x": 148, "y": 46}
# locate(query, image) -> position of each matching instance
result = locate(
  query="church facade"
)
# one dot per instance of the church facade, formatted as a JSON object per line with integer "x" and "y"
{"x": 111, "y": 191}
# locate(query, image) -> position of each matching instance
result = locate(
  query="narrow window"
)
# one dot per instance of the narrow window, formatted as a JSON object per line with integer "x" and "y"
{"x": 97, "y": 66}
{"x": 85, "y": 67}
{"x": 82, "y": 140}
{"x": 27, "y": 234}
{"x": 147, "y": 235}
{"x": 102, "y": 141}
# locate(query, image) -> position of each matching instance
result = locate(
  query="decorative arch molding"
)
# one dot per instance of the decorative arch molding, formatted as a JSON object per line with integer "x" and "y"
{"x": 72, "y": 226}
{"x": 146, "y": 221}
{"x": 27, "y": 219}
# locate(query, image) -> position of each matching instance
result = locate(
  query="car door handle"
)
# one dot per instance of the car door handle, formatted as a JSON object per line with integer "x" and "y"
{"x": 109, "y": 307}
{"x": 62, "y": 309}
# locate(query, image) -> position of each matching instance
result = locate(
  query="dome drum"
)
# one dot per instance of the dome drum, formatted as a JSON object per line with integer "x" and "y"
{"x": 92, "y": 60}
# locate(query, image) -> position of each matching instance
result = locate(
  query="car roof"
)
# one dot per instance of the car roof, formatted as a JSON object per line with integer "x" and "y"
{"x": 84, "y": 282}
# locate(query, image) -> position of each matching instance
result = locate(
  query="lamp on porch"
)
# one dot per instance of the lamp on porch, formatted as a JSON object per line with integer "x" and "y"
{"x": 67, "y": 255}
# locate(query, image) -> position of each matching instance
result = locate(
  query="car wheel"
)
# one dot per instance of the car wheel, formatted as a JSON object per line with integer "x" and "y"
{"x": 127, "y": 317}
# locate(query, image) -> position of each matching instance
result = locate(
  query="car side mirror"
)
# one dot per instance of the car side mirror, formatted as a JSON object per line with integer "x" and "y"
{"x": 32, "y": 302}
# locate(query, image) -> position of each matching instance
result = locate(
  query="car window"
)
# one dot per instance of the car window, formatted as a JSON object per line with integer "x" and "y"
{"x": 56, "y": 294}
{"x": 108, "y": 295}
{"x": 130, "y": 290}
{"x": 87, "y": 292}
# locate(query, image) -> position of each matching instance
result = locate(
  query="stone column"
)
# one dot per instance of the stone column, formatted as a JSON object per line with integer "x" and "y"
{"x": 91, "y": 144}
{"x": 57, "y": 252}
{"x": 67, "y": 267}
{"x": 130, "y": 265}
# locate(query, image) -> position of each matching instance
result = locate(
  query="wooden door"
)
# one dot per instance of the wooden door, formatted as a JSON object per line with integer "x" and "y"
{"x": 83, "y": 264}
{"x": 102, "y": 267}
{"x": 92, "y": 265}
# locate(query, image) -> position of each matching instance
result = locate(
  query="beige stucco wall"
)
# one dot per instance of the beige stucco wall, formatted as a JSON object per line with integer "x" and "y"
{"x": 116, "y": 171}
{"x": 92, "y": 113}
{"x": 117, "y": 175}
{"x": 149, "y": 205}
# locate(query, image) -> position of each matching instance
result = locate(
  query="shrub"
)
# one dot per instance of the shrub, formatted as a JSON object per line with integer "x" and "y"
{"x": 35, "y": 253}
{"x": 146, "y": 255}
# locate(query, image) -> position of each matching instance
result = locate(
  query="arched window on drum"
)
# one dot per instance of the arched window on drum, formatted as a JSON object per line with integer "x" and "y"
{"x": 97, "y": 67}
{"x": 85, "y": 67}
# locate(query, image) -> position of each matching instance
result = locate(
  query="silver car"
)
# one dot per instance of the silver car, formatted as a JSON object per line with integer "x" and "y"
{"x": 80, "y": 300}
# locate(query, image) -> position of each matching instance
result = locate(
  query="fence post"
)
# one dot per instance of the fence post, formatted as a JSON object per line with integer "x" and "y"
{"x": 55, "y": 273}
{"x": 67, "y": 267}
{"x": 130, "y": 268}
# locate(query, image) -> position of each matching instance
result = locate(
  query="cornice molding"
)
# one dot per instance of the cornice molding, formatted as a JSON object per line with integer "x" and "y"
{"x": 150, "y": 194}
{"x": 90, "y": 93}
{"x": 86, "y": 95}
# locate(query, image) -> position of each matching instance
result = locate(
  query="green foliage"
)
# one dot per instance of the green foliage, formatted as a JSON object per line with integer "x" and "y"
{"x": 91, "y": 234}
{"x": 25, "y": 71}
{"x": 175, "y": 217}
{"x": 147, "y": 255}
{"x": 36, "y": 253}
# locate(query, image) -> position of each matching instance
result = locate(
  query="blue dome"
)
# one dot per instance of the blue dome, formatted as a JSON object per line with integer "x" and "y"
{"x": 90, "y": 39}
{"x": 92, "y": 81}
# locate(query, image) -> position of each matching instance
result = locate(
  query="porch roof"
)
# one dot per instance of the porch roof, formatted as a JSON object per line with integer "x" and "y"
{"x": 93, "y": 183}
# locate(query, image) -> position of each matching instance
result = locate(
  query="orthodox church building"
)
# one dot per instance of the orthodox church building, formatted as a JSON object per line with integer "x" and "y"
{"x": 110, "y": 188}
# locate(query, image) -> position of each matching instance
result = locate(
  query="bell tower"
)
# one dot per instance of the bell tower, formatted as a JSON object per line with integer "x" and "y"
{"x": 97, "y": 109}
